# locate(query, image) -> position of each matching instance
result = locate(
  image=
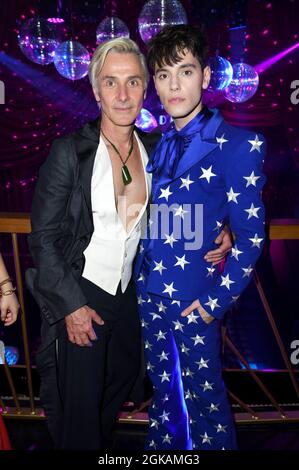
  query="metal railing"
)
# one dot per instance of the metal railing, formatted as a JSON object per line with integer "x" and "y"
{"x": 19, "y": 223}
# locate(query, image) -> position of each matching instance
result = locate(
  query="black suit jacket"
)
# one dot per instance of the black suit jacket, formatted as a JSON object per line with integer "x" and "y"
{"x": 62, "y": 225}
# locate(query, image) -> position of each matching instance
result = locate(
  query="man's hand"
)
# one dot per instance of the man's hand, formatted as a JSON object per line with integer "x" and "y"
{"x": 207, "y": 318}
{"x": 79, "y": 326}
{"x": 224, "y": 239}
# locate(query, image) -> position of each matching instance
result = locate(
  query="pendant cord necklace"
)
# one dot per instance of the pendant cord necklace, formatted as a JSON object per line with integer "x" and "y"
{"x": 126, "y": 177}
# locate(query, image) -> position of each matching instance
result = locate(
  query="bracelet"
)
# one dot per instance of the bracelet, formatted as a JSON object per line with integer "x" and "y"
{"x": 9, "y": 291}
{"x": 5, "y": 281}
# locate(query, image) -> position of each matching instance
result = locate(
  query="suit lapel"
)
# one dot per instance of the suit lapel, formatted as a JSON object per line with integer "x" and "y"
{"x": 202, "y": 144}
{"x": 197, "y": 150}
{"x": 86, "y": 143}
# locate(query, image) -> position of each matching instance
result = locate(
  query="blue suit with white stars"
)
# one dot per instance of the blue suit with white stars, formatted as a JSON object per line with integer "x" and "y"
{"x": 217, "y": 179}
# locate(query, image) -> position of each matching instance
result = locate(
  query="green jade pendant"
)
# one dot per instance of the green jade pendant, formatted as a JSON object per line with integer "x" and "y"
{"x": 127, "y": 178}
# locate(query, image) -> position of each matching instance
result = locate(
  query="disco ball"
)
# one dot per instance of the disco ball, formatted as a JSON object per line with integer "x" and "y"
{"x": 72, "y": 60}
{"x": 221, "y": 73}
{"x": 146, "y": 121}
{"x": 159, "y": 13}
{"x": 38, "y": 40}
{"x": 243, "y": 85}
{"x": 111, "y": 28}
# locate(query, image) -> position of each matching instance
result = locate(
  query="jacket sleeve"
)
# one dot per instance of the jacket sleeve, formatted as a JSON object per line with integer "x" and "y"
{"x": 244, "y": 181}
{"x": 58, "y": 292}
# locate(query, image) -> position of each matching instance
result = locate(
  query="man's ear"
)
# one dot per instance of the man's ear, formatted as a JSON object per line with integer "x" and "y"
{"x": 206, "y": 77}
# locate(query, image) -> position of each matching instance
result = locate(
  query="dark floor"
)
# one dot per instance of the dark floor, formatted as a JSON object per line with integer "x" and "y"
{"x": 33, "y": 435}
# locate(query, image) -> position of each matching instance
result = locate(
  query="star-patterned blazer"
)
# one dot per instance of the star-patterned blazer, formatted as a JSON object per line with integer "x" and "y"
{"x": 218, "y": 180}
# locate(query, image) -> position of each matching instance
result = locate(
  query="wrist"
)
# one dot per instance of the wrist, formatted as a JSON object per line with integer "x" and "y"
{"x": 8, "y": 291}
{"x": 6, "y": 282}
{"x": 6, "y": 286}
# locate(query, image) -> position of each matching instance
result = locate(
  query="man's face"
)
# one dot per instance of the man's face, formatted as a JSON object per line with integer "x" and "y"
{"x": 121, "y": 88}
{"x": 180, "y": 86}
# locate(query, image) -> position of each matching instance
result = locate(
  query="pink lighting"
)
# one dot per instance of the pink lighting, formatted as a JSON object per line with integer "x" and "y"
{"x": 262, "y": 66}
{"x": 55, "y": 20}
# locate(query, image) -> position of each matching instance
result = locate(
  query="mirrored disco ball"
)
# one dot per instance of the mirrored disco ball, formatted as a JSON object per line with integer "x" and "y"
{"x": 111, "y": 28}
{"x": 146, "y": 121}
{"x": 38, "y": 40}
{"x": 159, "y": 13}
{"x": 72, "y": 60}
{"x": 243, "y": 85}
{"x": 221, "y": 73}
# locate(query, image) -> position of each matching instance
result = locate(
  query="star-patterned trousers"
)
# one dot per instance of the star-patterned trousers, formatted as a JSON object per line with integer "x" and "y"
{"x": 190, "y": 409}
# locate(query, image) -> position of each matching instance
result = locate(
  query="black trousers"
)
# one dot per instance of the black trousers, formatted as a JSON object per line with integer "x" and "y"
{"x": 83, "y": 388}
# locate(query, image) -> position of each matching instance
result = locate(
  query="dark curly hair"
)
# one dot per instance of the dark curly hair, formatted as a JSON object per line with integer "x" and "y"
{"x": 167, "y": 46}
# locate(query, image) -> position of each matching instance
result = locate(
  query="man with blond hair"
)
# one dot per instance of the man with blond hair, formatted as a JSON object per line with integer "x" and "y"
{"x": 88, "y": 210}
